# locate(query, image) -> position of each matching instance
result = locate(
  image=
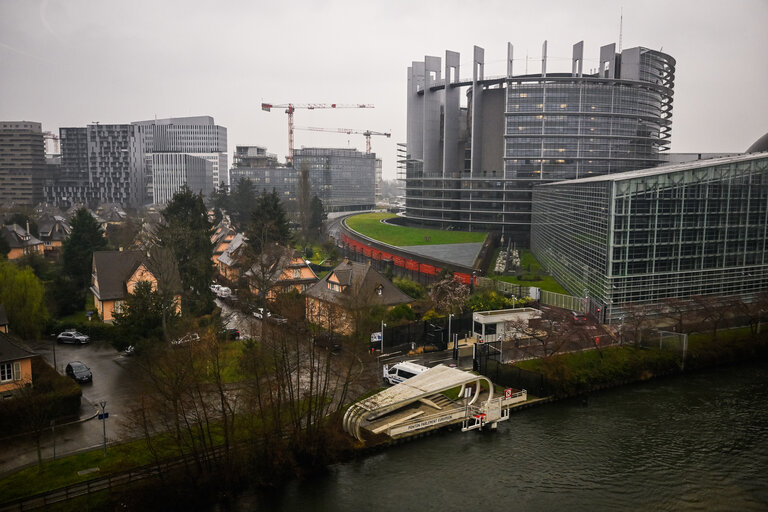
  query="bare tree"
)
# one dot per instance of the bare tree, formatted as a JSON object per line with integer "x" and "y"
{"x": 678, "y": 310}
{"x": 552, "y": 331}
{"x": 449, "y": 295}
{"x": 637, "y": 318}
{"x": 713, "y": 310}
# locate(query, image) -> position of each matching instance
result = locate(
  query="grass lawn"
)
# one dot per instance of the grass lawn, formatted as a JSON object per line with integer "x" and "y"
{"x": 547, "y": 283}
{"x": 369, "y": 224}
{"x": 79, "y": 317}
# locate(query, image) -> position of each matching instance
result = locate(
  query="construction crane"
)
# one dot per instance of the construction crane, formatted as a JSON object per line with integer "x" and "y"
{"x": 291, "y": 107}
{"x": 348, "y": 131}
{"x": 55, "y": 138}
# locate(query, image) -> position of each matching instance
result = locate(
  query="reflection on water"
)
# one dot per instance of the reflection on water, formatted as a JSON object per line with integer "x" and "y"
{"x": 688, "y": 443}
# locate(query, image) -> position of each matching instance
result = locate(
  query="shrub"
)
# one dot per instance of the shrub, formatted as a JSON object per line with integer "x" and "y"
{"x": 410, "y": 288}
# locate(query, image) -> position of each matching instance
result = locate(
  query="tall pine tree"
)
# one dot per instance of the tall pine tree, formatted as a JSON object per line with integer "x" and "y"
{"x": 269, "y": 223}
{"x": 187, "y": 233}
{"x": 77, "y": 251}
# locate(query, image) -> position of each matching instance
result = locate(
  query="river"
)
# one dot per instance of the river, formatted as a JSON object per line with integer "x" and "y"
{"x": 695, "y": 442}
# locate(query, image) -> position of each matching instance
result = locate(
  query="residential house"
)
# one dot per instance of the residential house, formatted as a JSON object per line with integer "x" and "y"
{"x": 3, "y": 320}
{"x": 21, "y": 241}
{"x": 115, "y": 275}
{"x": 231, "y": 261}
{"x": 348, "y": 289}
{"x": 53, "y": 230}
{"x": 279, "y": 270}
{"x": 222, "y": 236}
{"x": 15, "y": 366}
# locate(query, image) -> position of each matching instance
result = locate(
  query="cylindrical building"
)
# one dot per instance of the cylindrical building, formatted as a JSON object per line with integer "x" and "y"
{"x": 522, "y": 130}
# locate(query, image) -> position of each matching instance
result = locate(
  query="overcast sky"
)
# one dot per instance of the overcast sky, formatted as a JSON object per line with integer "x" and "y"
{"x": 73, "y": 62}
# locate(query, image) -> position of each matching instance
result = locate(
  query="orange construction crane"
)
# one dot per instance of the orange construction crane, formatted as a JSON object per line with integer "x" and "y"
{"x": 366, "y": 133}
{"x": 291, "y": 107}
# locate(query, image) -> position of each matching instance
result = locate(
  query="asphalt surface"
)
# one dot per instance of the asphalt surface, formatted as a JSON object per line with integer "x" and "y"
{"x": 113, "y": 382}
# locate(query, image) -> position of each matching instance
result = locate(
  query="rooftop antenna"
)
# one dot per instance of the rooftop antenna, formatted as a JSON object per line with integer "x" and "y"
{"x": 621, "y": 27}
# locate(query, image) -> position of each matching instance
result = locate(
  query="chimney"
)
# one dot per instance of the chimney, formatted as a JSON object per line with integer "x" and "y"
{"x": 28, "y": 227}
{"x": 346, "y": 260}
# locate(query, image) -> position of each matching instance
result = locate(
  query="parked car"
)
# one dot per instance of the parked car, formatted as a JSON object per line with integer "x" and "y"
{"x": 261, "y": 313}
{"x": 578, "y": 318}
{"x": 224, "y": 292}
{"x": 72, "y": 336}
{"x": 215, "y": 289}
{"x": 79, "y": 372}
{"x": 229, "y": 334}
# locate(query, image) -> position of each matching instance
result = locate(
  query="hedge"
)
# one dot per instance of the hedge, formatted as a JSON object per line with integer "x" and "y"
{"x": 55, "y": 396}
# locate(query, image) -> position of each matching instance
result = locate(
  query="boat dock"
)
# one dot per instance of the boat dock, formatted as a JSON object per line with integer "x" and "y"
{"x": 418, "y": 405}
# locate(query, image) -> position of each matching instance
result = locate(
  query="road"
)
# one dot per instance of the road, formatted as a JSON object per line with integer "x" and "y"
{"x": 112, "y": 381}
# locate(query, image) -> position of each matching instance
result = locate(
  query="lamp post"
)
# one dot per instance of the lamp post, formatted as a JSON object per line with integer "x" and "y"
{"x": 103, "y": 417}
{"x": 383, "y": 325}
{"x": 449, "y": 326}
{"x": 53, "y": 337}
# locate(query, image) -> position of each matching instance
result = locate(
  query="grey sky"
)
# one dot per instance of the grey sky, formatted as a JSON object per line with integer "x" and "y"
{"x": 72, "y": 62}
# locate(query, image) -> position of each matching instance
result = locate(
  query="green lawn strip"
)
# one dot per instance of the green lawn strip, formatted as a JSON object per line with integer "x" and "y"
{"x": 529, "y": 263}
{"x": 370, "y": 225}
{"x": 79, "y": 317}
{"x": 547, "y": 283}
{"x": 581, "y": 371}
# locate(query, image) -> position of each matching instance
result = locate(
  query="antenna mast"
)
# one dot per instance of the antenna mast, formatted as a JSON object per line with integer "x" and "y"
{"x": 621, "y": 27}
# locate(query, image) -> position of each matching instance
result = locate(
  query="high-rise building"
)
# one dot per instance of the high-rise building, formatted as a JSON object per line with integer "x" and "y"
{"x": 196, "y": 136}
{"x": 671, "y": 232}
{"x": 344, "y": 179}
{"x": 474, "y": 167}
{"x": 22, "y": 163}
{"x": 101, "y": 163}
{"x": 253, "y": 156}
{"x": 171, "y": 171}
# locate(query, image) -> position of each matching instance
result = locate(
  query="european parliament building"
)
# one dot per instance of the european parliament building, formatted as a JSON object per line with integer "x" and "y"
{"x": 474, "y": 167}
{"x": 697, "y": 228}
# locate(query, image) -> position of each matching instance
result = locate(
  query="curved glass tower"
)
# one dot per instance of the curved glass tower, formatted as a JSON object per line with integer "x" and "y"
{"x": 474, "y": 168}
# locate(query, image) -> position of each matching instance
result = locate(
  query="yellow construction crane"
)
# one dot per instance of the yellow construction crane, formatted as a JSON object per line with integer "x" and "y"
{"x": 366, "y": 133}
{"x": 291, "y": 107}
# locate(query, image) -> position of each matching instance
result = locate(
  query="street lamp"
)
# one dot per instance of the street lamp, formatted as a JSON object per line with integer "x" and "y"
{"x": 103, "y": 415}
{"x": 449, "y": 326}
{"x": 383, "y": 325}
{"x": 53, "y": 337}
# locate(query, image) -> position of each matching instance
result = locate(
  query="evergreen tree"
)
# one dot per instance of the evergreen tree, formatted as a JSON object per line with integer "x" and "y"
{"x": 78, "y": 248}
{"x": 220, "y": 200}
{"x": 269, "y": 223}
{"x": 5, "y": 247}
{"x": 241, "y": 202}
{"x": 187, "y": 233}
{"x": 317, "y": 217}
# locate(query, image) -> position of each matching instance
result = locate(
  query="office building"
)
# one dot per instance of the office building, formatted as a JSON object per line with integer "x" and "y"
{"x": 22, "y": 163}
{"x": 344, "y": 179}
{"x": 171, "y": 171}
{"x": 473, "y": 167}
{"x": 196, "y": 136}
{"x": 101, "y": 163}
{"x": 680, "y": 230}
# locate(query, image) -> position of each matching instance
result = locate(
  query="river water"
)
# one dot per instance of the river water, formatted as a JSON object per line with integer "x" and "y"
{"x": 695, "y": 442}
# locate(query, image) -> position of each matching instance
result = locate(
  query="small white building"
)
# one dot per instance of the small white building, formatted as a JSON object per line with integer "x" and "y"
{"x": 494, "y": 325}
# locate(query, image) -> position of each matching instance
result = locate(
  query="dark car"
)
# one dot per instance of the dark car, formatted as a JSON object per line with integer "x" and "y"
{"x": 229, "y": 334}
{"x": 79, "y": 372}
{"x": 578, "y": 318}
{"x": 73, "y": 336}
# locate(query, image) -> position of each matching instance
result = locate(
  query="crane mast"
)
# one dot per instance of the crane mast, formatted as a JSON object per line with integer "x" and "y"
{"x": 291, "y": 107}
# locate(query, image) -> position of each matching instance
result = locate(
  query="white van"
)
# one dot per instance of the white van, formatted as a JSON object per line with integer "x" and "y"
{"x": 402, "y": 371}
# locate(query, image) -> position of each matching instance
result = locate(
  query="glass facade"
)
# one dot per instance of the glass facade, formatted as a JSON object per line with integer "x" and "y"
{"x": 344, "y": 179}
{"x": 552, "y": 127}
{"x": 689, "y": 229}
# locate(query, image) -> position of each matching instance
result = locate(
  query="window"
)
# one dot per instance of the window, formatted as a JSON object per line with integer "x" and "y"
{"x": 10, "y": 371}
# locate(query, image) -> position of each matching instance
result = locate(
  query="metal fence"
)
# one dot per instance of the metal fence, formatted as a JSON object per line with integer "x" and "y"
{"x": 560, "y": 300}
{"x": 426, "y": 333}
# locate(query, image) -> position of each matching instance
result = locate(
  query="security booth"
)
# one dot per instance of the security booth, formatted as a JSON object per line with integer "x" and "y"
{"x": 498, "y": 325}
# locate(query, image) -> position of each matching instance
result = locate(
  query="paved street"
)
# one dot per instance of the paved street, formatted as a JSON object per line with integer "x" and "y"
{"x": 112, "y": 381}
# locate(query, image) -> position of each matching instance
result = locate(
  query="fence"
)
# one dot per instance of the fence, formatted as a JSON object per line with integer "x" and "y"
{"x": 515, "y": 377}
{"x": 560, "y": 300}
{"x": 426, "y": 332}
{"x": 506, "y": 288}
